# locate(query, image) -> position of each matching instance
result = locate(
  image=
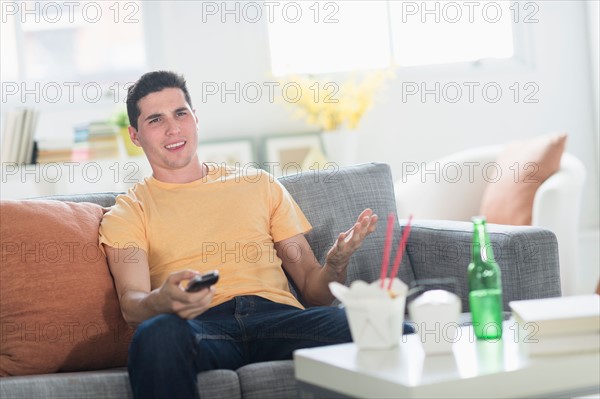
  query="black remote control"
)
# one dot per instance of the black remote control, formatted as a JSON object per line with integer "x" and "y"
{"x": 203, "y": 281}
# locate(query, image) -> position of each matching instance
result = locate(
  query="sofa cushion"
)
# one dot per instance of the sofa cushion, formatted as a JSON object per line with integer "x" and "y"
{"x": 113, "y": 383}
{"x": 219, "y": 384}
{"x": 59, "y": 308}
{"x": 524, "y": 166}
{"x": 267, "y": 380}
{"x": 332, "y": 201}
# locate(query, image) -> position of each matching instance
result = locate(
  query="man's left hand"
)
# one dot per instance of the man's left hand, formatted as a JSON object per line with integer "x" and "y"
{"x": 349, "y": 241}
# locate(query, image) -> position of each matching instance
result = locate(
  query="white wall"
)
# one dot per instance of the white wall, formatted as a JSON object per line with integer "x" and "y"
{"x": 394, "y": 131}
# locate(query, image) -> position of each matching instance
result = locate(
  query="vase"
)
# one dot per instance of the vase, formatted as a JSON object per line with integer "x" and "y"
{"x": 132, "y": 149}
{"x": 341, "y": 146}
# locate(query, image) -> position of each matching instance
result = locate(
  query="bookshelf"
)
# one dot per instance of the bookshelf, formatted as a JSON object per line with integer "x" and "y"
{"x": 72, "y": 177}
{"x": 94, "y": 159}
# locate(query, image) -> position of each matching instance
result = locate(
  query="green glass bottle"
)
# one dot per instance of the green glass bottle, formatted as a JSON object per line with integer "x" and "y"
{"x": 485, "y": 285}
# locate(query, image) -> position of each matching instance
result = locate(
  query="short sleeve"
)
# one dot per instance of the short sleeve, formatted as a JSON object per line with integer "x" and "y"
{"x": 123, "y": 225}
{"x": 287, "y": 219}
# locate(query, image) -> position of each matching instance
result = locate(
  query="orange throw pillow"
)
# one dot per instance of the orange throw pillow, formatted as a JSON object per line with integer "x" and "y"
{"x": 58, "y": 307}
{"x": 524, "y": 165}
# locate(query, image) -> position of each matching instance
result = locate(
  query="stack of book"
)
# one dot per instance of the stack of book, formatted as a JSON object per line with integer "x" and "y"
{"x": 560, "y": 325}
{"x": 103, "y": 140}
{"x": 96, "y": 140}
{"x": 54, "y": 151}
{"x": 18, "y": 134}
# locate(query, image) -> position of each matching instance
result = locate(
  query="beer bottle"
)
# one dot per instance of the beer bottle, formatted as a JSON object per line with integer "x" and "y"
{"x": 485, "y": 285}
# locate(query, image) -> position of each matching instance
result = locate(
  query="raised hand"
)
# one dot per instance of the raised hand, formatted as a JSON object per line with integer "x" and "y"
{"x": 349, "y": 241}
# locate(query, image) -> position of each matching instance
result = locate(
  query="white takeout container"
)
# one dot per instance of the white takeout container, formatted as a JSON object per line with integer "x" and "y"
{"x": 435, "y": 315}
{"x": 375, "y": 318}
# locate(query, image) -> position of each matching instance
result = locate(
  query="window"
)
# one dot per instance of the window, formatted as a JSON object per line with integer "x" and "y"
{"x": 351, "y": 35}
{"x": 447, "y": 31}
{"x": 313, "y": 37}
{"x": 83, "y": 41}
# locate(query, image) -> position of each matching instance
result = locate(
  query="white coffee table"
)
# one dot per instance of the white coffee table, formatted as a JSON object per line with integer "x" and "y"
{"x": 475, "y": 369}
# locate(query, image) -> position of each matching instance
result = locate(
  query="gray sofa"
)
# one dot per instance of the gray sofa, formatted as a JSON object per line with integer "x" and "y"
{"x": 527, "y": 256}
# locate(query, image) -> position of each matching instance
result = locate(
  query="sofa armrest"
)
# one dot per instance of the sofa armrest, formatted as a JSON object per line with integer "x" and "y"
{"x": 447, "y": 188}
{"x": 528, "y": 257}
{"x": 563, "y": 191}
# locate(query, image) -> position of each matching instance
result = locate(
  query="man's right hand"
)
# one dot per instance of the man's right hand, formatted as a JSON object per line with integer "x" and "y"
{"x": 131, "y": 273}
{"x": 172, "y": 297}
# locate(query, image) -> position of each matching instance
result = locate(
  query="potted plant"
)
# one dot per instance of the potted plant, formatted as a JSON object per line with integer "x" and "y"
{"x": 336, "y": 109}
{"x": 121, "y": 120}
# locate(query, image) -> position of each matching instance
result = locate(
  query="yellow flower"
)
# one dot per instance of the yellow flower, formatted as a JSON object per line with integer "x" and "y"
{"x": 330, "y": 106}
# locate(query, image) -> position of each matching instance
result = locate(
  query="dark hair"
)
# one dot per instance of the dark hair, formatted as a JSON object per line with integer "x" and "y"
{"x": 152, "y": 82}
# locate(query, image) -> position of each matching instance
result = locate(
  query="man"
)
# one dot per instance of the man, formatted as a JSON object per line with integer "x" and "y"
{"x": 189, "y": 218}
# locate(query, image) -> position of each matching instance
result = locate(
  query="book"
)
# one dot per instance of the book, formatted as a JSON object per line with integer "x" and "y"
{"x": 12, "y": 135}
{"x": 562, "y": 344}
{"x": 25, "y": 136}
{"x": 29, "y": 153}
{"x": 19, "y": 129}
{"x": 7, "y": 136}
{"x": 54, "y": 151}
{"x": 567, "y": 315}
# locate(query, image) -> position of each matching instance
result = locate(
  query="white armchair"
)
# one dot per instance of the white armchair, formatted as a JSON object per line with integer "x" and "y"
{"x": 451, "y": 188}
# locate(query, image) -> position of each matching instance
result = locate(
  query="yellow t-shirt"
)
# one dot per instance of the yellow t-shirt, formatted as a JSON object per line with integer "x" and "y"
{"x": 226, "y": 221}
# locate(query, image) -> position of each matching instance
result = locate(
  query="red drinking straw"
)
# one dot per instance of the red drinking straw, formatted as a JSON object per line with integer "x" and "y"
{"x": 387, "y": 247}
{"x": 400, "y": 251}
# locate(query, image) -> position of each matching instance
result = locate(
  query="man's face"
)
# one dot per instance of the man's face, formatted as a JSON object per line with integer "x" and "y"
{"x": 167, "y": 129}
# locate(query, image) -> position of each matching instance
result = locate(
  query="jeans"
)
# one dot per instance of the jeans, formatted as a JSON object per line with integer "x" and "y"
{"x": 167, "y": 351}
